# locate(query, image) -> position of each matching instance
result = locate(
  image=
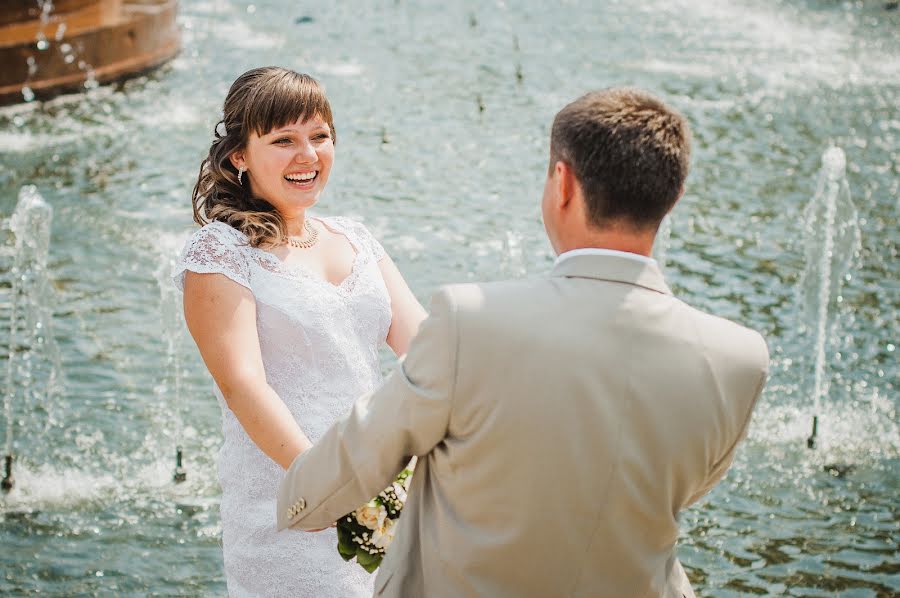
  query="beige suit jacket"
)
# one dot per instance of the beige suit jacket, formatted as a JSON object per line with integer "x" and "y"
{"x": 561, "y": 426}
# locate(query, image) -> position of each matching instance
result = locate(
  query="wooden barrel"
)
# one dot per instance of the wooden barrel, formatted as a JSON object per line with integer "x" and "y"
{"x": 102, "y": 39}
{"x": 20, "y": 11}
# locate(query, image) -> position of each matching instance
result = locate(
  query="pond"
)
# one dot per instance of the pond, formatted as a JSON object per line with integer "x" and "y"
{"x": 443, "y": 112}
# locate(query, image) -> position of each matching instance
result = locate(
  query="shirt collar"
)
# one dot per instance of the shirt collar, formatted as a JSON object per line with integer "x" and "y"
{"x": 607, "y": 252}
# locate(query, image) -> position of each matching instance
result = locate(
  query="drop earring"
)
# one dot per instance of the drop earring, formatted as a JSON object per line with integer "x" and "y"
{"x": 240, "y": 174}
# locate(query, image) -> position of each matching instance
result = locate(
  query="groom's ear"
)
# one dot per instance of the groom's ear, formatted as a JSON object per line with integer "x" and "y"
{"x": 565, "y": 184}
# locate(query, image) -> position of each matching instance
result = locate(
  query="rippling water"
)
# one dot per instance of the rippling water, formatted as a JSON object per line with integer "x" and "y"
{"x": 442, "y": 115}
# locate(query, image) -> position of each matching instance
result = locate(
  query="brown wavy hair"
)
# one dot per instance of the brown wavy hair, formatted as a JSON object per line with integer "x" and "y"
{"x": 259, "y": 101}
{"x": 630, "y": 153}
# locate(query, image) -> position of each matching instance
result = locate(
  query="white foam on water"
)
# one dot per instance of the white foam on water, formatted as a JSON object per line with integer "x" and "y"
{"x": 656, "y": 65}
{"x": 237, "y": 34}
{"x": 863, "y": 431}
{"x": 172, "y": 113}
{"x": 767, "y": 26}
{"x": 408, "y": 244}
{"x": 776, "y": 47}
{"x": 48, "y": 487}
{"x": 340, "y": 69}
{"x": 23, "y": 142}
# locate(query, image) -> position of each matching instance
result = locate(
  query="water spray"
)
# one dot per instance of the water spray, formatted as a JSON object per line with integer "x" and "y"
{"x": 30, "y": 224}
{"x": 172, "y": 326}
{"x": 832, "y": 240}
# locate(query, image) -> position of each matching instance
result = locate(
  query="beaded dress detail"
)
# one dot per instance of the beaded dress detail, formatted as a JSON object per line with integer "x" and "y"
{"x": 319, "y": 344}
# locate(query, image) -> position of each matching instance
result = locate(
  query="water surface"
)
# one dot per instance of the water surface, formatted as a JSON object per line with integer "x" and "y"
{"x": 443, "y": 114}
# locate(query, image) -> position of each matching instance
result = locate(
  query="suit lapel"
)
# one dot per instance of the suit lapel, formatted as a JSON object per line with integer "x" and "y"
{"x": 613, "y": 268}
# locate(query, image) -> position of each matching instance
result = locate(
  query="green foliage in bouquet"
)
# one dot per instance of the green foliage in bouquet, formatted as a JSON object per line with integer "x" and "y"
{"x": 366, "y": 533}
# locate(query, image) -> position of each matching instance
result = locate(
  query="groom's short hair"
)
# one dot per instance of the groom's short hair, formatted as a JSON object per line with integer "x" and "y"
{"x": 629, "y": 151}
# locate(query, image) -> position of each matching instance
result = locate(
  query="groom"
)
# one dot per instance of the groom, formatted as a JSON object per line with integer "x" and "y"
{"x": 561, "y": 423}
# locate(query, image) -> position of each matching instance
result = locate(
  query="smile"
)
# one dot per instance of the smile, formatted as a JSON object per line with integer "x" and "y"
{"x": 301, "y": 178}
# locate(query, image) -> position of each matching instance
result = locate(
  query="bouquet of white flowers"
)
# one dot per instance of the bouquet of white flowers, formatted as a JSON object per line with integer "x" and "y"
{"x": 366, "y": 533}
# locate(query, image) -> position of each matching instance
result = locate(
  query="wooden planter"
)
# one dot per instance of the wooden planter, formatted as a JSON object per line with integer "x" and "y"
{"x": 103, "y": 39}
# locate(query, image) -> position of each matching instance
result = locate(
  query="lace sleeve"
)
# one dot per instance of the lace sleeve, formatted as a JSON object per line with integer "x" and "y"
{"x": 376, "y": 248}
{"x": 362, "y": 236}
{"x": 213, "y": 249}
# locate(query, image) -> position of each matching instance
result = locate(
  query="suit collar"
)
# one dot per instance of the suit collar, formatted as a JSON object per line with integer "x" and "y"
{"x": 613, "y": 268}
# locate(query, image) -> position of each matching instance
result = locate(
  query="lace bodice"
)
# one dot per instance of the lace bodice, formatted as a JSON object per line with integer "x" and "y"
{"x": 319, "y": 345}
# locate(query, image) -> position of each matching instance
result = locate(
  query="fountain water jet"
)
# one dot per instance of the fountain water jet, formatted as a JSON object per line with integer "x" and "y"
{"x": 832, "y": 241}
{"x": 172, "y": 328}
{"x": 30, "y": 224}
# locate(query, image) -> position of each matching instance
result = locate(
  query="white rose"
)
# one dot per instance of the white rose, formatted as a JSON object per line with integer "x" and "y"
{"x": 368, "y": 516}
{"x": 382, "y": 515}
{"x": 383, "y": 536}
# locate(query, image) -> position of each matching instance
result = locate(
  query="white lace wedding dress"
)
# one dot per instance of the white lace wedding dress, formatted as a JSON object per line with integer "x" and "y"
{"x": 319, "y": 345}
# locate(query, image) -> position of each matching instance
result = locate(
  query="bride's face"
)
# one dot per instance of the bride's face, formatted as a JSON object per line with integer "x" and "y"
{"x": 289, "y": 166}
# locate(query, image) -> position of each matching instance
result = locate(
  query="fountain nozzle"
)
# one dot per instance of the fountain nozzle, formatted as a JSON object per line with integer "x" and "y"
{"x": 8, "y": 481}
{"x": 180, "y": 472}
{"x": 811, "y": 441}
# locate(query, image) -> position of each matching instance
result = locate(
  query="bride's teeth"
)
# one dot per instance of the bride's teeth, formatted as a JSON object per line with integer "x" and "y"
{"x": 301, "y": 177}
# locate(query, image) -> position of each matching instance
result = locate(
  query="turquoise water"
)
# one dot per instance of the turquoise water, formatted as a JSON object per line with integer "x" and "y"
{"x": 443, "y": 115}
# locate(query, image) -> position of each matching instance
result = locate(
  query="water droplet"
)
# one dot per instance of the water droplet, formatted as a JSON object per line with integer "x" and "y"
{"x": 69, "y": 58}
{"x": 891, "y": 347}
{"x": 65, "y": 48}
{"x": 27, "y": 94}
{"x": 251, "y": 9}
{"x": 60, "y": 31}
{"x": 42, "y": 44}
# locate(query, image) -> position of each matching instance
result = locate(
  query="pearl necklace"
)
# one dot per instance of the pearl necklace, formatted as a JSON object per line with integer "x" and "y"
{"x": 307, "y": 242}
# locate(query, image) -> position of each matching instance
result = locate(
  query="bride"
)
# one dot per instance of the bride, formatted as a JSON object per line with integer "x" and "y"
{"x": 288, "y": 312}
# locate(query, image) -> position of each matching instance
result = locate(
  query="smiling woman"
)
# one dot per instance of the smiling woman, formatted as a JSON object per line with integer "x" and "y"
{"x": 288, "y": 313}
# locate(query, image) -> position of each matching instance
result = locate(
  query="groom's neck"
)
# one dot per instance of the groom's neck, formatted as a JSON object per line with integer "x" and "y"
{"x": 619, "y": 238}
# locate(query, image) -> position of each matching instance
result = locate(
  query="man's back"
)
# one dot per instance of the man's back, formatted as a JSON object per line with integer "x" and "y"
{"x": 561, "y": 423}
{"x": 587, "y": 410}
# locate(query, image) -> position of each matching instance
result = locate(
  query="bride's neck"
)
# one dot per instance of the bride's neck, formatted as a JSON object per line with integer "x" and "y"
{"x": 295, "y": 223}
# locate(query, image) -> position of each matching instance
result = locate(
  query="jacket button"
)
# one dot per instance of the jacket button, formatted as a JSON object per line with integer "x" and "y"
{"x": 301, "y": 504}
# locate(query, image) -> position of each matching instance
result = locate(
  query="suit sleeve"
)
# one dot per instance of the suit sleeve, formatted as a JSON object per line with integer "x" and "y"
{"x": 361, "y": 453}
{"x": 720, "y": 467}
